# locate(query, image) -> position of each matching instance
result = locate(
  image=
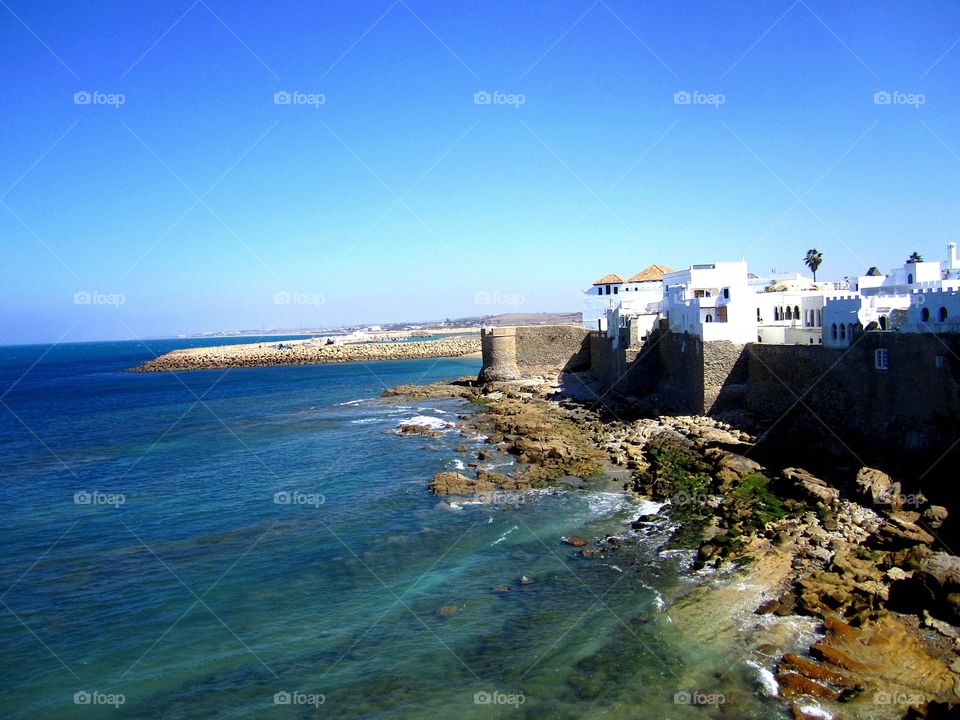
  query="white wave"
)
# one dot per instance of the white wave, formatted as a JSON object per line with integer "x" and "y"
{"x": 434, "y": 423}
{"x": 438, "y": 411}
{"x": 813, "y": 709}
{"x": 353, "y": 402}
{"x": 616, "y": 568}
{"x": 458, "y": 465}
{"x": 648, "y": 507}
{"x": 366, "y": 421}
{"x": 768, "y": 683}
{"x": 504, "y": 536}
{"x": 607, "y": 503}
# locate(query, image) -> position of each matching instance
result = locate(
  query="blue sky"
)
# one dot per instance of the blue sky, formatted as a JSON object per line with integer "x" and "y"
{"x": 200, "y": 204}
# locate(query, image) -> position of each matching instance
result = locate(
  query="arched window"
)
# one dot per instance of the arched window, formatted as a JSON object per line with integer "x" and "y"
{"x": 833, "y": 331}
{"x": 819, "y": 319}
{"x": 759, "y": 319}
{"x": 843, "y": 331}
{"x": 883, "y": 322}
{"x": 789, "y": 315}
{"x": 943, "y": 314}
{"x": 709, "y": 318}
{"x": 925, "y": 314}
{"x": 850, "y": 331}
{"x": 796, "y": 312}
{"x": 910, "y": 279}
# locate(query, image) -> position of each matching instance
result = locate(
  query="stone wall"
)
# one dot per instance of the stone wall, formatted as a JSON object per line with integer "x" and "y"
{"x": 839, "y": 398}
{"x": 511, "y": 352}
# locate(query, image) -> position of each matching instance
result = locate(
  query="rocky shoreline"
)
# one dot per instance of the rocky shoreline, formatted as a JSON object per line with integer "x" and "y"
{"x": 305, "y": 352}
{"x": 860, "y": 561}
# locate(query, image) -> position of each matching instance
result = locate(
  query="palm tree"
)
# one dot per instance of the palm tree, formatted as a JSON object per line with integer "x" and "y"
{"x": 813, "y": 260}
{"x": 915, "y": 257}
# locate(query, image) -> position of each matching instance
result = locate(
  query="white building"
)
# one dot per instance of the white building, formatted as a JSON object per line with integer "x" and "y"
{"x": 713, "y": 301}
{"x": 638, "y": 295}
{"x": 918, "y": 297}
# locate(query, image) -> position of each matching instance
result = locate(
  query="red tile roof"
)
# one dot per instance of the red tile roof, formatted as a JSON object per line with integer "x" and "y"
{"x": 654, "y": 273}
{"x": 609, "y": 280}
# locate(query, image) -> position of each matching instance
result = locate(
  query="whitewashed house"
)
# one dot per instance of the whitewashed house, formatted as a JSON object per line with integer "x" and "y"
{"x": 638, "y": 295}
{"x": 713, "y": 301}
{"x": 597, "y": 299}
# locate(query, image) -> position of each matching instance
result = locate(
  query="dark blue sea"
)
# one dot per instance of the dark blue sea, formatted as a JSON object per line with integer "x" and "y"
{"x": 257, "y": 543}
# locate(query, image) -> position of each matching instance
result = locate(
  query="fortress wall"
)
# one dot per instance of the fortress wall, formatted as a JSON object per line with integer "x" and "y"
{"x": 511, "y": 352}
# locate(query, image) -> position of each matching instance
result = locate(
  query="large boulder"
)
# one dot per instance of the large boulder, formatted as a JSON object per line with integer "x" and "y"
{"x": 810, "y": 485}
{"x": 900, "y": 530}
{"x": 879, "y": 488}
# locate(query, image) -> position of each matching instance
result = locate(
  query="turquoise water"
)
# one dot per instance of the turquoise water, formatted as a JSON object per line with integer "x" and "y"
{"x": 255, "y": 543}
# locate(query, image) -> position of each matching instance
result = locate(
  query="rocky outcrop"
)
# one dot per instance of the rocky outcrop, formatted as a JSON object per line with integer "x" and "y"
{"x": 454, "y": 483}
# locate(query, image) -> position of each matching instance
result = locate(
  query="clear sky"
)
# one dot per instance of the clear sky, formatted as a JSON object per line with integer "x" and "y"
{"x": 178, "y": 195}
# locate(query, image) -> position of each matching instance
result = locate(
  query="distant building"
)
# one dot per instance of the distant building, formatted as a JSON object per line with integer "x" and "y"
{"x": 639, "y": 295}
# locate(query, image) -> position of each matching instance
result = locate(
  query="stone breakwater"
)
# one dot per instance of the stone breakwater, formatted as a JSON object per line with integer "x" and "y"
{"x": 305, "y": 352}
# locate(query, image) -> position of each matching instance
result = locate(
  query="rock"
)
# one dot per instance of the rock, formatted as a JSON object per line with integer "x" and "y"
{"x": 792, "y": 683}
{"x": 461, "y": 448}
{"x": 879, "y": 488}
{"x": 768, "y": 607}
{"x": 813, "y": 670}
{"x": 934, "y": 516}
{"x": 454, "y": 483}
{"x": 500, "y": 588}
{"x": 575, "y": 541}
{"x": 484, "y": 455}
{"x": 940, "y": 626}
{"x": 810, "y": 485}
{"x": 900, "y": 531}
{"x": 447, "y": 610}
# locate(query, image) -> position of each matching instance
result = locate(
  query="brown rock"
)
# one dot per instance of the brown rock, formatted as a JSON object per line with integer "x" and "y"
{"x": 901, "y": 531}
{"x": 934, "y": 516}
{"x": 879, "y": 488}
{"x": 810, "y": 485}
{"x": 575, "y": 541}
{"x": 792, "y": 683}
{"x": 453, "y": 483}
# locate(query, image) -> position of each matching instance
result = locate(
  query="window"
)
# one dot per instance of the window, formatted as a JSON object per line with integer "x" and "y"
{"x": 616, "y": 290}
{"x": 759, "y": 319}
{"x": 819, "y": 319}
{"x": 726, "y": 293}
{"x": 833, "y": 331}
{"x": 943, "y": 314}
{"x": 796, "y": 312}
{"x": 789, "y": 315}
{"x": 843, "y": 331}
{"x": 881, "y": 359}
{"x": 910, "y": 279}
{"x": 925, "y": 314}
{"x": 608, "y": 289}
{"x": 883, "y": 322}
{"x": 709, "y": 318}
{"x": 850, "y": 331}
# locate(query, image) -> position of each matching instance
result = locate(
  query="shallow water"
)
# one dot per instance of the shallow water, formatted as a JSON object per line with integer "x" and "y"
{"x": 256, "y": 542}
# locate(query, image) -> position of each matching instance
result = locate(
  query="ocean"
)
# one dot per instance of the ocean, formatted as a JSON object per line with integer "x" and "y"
{"x": 258, "y": 543}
